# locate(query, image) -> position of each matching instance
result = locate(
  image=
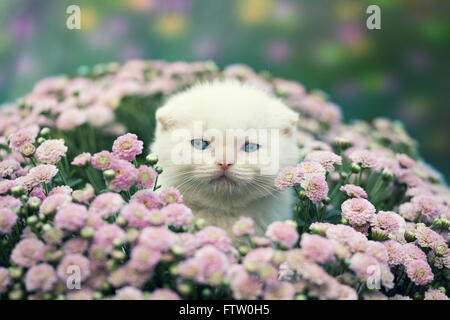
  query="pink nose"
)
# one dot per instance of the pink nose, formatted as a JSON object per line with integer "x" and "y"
{"x": 224, "y": 166}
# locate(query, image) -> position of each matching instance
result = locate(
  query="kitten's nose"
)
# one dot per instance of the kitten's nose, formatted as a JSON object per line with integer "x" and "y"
{"x": 224, "y": 166}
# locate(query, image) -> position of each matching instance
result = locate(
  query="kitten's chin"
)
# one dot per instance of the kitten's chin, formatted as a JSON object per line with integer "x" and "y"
{"x": 224, "y": 180}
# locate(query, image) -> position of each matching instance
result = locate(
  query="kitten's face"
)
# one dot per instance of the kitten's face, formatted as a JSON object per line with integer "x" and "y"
{"x": 226, "y": 140}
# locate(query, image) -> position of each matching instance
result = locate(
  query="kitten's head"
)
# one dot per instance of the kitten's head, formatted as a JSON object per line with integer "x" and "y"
{"x": 225, "y": 139}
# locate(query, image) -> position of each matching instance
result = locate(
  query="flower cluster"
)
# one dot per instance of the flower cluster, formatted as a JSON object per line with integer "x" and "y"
{"x": 77, "y": 196}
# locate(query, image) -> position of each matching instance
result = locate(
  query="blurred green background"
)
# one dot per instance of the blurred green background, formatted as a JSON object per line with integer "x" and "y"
{"x": 401, "y": 71}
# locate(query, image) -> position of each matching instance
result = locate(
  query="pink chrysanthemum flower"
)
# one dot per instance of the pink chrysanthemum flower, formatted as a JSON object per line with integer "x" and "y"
{"x": 146, "y": 177}
{"x": 309, "y": 168}
{"x": 53, "y": 236}
{"x": 358, "y": 211}
{"x": 38, "y": 192}
{"x": 54, "y": 202}
{"x": 212, "y": 264}
{"x": 326, "y": 158}
{"x": 136, "y": 214}
{"x": 283, "y": 233}
{"x": 5, "y": 279}
{"x": 163, "y": 294}
{"x": 427, "y": 206}
{"x": 28, "y": 252}
{"x": 242, "y": 284}
{"x": 156, "y": 217}
{"x": 107, "y": 204}
{"x": 170, "y": 195}
{"x": 127, "y": 147}
{"x": 394, "y": 251}
{"x": 82, "y": 159}
{"x": 286, "y": 178}
{"x": 8, "y": 167}
{"x": 51, "y": 151}
{"x": 408, "y": 211}
{"x": 106, "y": 234}
{"x": 61, "y": 190}
{"x": 158, "y": 238}
{"x": 214, "y": 236}
{"x": 364, "y": 265}
{"x": 188, "y": 242}
{"x": 40, "y": 277}
{"x": 143, "y": 258}
{"x": 315, "y": 188}
{"x": 128, "y": 293}
{"x": 435, "y": 294}
{"x": 177, "y": 215}
{"x": 102, "y": 160}
{"x": 84, "y": 195}
{"x": 411, "y": 253}
{"x": 126, "y": 175}
{"x": 365, "y": 158}
{"x": 75, "y": 245}
{"x": 10, "y": 202}
{"x": 7, "y": 220}
{"x": 279, "y": 291}
{"x": 317, "y": 248}
{"x": 377, "y": 250}
{"x": 419, "y": 272}
{"x": 243, "y": 227}
{"x": 82, "y": 294}
{"x": 22, "y": 137}
{"x": 72, "y": 262}
{"x": 353, "y": 191}
{"x": 385, "y": 222}
{"x": 148, "y": 198}
{"x": 43, "y": 173}
{"x": 405, "y": 161}
{"x": 71, "y": 217}
{"x": 426, "y": 237}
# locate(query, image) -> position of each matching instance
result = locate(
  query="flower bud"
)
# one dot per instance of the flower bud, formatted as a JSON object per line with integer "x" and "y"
{"x": 387, "y": 175}
{"x": 24, "y": 198}
{"x": 105, "y": 287}
{"x": 87, "y": 232}
{"x": 344, "y": 221}
{"x": 206, "y": 293}
{"x": 111, "y": 265}
{"x": 410, "y": 236}
{"x": 28, "y": 150}
{"x": 46, "y": 227}
{"x": 17, "y": 191}
{"x": 159, "y": 170}
{"x": 243, "y": 250}
{"x": 378, "y": 235}
{"x": 34, "y": 203}
{"x": 117, "y": 243}
{"x": 121, "y": 222}
{"x": 356, "y": 168}
{"x": 302, "y": 195}
{"x": 200, "y": 223}
{"x": 440, "y": 250}
{"x": 344, "y": 175}
{"x": 300, "y": 297}
{"x": 109, "y": 174}
{"x": 342, "y": 143}
{"x": 15, "y": 295}
{"x": 291, "y": 223}
{"x": 32, "y": 220}
{"x": 15, "y": 272}
{"x": 152, "y": 159}
{"x": 47, "y": 296}
{"x": 327, "y": 200}
{"x": 40, "y": 140}
{"x": 177, "y": 250}
{"x": 184, "y": 288}
{"x": 174, "y": 271}
{"x": 118, "y": 255}
{"x": 417, "y": 296}
{"x": 42, "y": 217}
{"x": 132, "y": 235}
{"x": 97, "y": 295}
{"x": 45, "y": 132}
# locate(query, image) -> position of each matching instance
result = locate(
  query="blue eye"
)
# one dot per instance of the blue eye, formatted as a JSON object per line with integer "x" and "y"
{"x": 199, "y": 144}
{"x": 250, "y": 147}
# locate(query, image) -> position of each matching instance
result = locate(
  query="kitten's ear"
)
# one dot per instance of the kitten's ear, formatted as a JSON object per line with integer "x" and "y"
{"x": 163, "y": 117}
{"x": 292, "y": 119}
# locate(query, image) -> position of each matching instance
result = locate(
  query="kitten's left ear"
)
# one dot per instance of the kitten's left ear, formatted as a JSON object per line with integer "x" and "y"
{"x": 292, "y": 119}
{"x": 163, "y": 117}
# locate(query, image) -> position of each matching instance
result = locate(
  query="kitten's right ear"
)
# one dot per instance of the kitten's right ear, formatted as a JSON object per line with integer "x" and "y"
{"x": 163, "y": 117}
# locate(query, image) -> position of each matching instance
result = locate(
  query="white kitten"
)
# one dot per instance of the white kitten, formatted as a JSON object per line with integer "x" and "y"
{"x": 228, "y": 166}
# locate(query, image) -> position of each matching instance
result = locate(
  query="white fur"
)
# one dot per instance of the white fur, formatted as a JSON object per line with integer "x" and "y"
{"x": 221, "y": 106}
